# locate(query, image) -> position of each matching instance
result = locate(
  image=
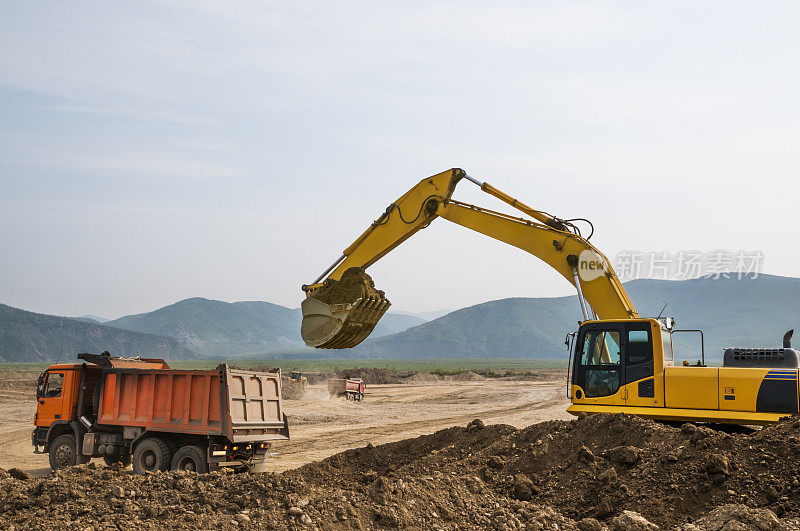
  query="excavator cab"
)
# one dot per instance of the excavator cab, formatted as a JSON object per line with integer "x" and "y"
{"x": 616, "y": 362}
{"x": 298, "y": 378}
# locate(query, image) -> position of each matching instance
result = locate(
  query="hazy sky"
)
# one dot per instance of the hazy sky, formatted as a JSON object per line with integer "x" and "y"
{"x": 151, "y": 152}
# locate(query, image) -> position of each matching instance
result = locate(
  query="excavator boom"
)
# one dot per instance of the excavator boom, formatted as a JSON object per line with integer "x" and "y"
{"x": 342, "y": 306}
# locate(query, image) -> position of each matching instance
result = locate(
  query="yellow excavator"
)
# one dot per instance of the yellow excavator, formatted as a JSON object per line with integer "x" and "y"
{"x": 622, "y": 362}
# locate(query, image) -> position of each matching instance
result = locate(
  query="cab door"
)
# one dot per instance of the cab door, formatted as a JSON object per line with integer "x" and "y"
{"x": 599, "y": 373}
{"x": 51, "y": 403}
{"x": 642, "y": 387}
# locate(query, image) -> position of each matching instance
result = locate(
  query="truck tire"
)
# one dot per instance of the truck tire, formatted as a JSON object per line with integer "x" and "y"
{"x": 121, "y": 461}
{"x": 190, "y": 459}
{"x": 63, "y": 453}
{"x": 150, "y": 455}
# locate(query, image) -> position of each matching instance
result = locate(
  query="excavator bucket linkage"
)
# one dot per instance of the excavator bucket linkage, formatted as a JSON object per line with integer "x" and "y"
{"x": 342, "y": 313}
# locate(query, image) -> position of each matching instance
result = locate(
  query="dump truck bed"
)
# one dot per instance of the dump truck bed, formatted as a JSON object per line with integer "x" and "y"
{"x": 343, "y": 386}
{"x": 240, "y": 405}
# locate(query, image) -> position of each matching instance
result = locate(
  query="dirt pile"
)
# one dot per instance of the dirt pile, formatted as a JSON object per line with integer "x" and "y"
{"x": 615, "y": 472}
{"x": 422, "y": 377}
{"x": 82, "y": 497}
{"x": 292, "y": 390}
{"x": 354, "y": 284}
{"x": 375, "y": 375}
{"x": 465, "y": 376}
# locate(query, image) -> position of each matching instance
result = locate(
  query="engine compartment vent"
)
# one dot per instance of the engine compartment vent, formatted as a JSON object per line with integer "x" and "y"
{"x": 761, "y": 357}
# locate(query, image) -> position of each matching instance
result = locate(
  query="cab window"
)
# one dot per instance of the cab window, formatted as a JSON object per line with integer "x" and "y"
{"x": 600, "y": 362}
{"x": 640, "y": 348}
{"x": 601, "y": 347}
{"x": 53, "y": 385}
{"x": 666, "y": 341}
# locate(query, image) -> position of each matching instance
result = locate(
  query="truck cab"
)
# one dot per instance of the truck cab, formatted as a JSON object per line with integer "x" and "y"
{"x": 60, "y": 405}
{"x": 54, "y": 390}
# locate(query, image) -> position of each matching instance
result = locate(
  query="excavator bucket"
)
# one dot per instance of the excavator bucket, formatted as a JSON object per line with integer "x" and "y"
{"x": 342, "y": 313}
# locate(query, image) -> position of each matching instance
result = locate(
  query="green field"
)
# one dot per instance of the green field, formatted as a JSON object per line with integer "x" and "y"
{"x": 443, "y": 365}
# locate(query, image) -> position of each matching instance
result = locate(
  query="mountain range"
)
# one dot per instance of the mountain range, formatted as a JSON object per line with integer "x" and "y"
{"x": 751, "y": 312}
{"x": 28, "y": 337}
{"x": 732, "y": 312}
{"x": 217, "y": 328}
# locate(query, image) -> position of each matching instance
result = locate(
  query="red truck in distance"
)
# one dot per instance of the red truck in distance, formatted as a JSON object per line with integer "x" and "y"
{"x": 352, "y": 388}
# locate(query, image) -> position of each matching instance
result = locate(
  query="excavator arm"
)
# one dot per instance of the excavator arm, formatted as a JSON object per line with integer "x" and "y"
{"x": 342, "y": 307}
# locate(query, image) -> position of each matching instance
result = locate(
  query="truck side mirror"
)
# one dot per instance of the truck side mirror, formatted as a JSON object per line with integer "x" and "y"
{"x": 40, "y": 387}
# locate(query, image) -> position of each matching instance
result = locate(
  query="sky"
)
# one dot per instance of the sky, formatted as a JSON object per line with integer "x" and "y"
{"x": 155, "y": 151}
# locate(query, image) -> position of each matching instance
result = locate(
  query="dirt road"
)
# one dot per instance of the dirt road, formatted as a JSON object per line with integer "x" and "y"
{"x": 322, "y": 426}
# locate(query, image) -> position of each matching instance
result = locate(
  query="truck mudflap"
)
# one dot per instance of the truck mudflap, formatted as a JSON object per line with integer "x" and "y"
{"x": 255, "y": 407}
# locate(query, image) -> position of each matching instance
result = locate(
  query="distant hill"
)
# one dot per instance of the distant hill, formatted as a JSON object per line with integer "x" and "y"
{"x": 425, "y": 316}
{"x": 95, "y": 318}
{"x": 750, "y": 312}
{"x": 217, "y": 328}
{"x": 34, "y": 337}
{"x": 392, "y": 323}
{"x": 503, "y": 328}
{"x": 731, "y": 312}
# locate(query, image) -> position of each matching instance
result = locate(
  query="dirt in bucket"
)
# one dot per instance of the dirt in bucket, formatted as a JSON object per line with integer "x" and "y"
{"x": 354, "y": 284}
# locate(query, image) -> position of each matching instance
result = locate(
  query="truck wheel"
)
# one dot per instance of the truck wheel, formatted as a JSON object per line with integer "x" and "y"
{"x": 190, "y": 459}
{"x": 150, "y": 455}
{"x": 63, "y": 452}
{"x": 121, "y": 461}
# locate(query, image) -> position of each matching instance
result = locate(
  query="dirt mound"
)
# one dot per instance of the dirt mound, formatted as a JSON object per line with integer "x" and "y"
{"x": 292, "y": 390}
{"x": 422, "y": 377}
{"x": 82, "y": 497}
{"x": 466, "y": 376}
{"x": 615, "y": 471}
{"x": 595, "y": 467}
{"x": 354, "y": 284}
{"x": 374, "y": 375}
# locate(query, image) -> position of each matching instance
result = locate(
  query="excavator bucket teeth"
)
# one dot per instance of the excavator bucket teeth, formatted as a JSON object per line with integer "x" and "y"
{"x": 342, "y": 313}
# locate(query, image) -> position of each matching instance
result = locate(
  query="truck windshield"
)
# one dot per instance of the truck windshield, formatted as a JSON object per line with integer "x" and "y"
{"x": 53, "y": 385}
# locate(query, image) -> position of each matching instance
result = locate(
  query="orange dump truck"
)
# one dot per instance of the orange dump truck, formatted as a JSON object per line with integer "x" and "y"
{"x": 141, "y": 411}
